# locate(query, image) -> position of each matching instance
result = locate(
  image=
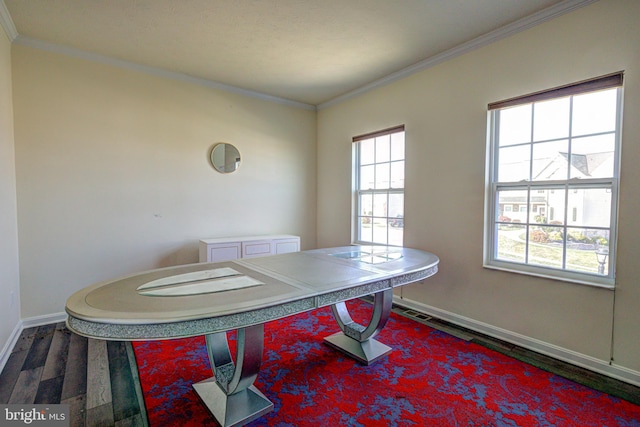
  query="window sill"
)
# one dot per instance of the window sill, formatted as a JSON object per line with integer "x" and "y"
{"x": 604, "y": 283}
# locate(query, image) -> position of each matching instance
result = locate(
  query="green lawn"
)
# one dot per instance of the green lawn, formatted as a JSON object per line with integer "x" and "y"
{"x": 547, "y": 255}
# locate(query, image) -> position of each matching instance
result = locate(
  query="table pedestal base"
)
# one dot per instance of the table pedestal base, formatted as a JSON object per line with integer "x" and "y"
{"x": 356, "y": 340}
{"x": 366, "y": 352}
{"x": 230, "y": 395}
{"x": 236, "y": 409}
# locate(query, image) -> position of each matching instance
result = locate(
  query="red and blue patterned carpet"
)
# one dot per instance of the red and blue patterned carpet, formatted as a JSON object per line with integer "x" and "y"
{"x": 430, "y": 379}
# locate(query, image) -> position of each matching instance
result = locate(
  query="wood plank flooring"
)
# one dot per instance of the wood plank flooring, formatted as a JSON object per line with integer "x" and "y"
{"x": 98, "y": 379}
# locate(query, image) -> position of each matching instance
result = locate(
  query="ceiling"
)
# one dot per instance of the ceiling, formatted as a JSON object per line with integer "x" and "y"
{"x": 307, "y": 51}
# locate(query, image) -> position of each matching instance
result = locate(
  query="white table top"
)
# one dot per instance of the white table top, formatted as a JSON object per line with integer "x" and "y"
{"x": 204, "y": 298}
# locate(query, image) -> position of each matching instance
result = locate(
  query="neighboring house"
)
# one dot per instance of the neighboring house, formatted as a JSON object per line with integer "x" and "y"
{"x": 547, "y": 206}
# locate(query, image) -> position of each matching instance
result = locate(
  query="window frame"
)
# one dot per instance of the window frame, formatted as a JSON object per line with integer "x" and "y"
{"x": 358, "y": 192}
{"x": 493, "y": 188}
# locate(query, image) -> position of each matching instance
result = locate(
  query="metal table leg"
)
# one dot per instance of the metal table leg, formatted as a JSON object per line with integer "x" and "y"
{"x": 356, "y": 340}
{"x": 230, "y": 395}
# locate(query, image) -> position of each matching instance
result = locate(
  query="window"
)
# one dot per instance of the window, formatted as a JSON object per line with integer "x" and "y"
{"x": 379, "y": 187}
{"x": 557, "y": 153}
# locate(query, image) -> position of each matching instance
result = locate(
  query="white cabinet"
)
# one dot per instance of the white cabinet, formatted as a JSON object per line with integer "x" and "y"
{"x": 227, "y": 248}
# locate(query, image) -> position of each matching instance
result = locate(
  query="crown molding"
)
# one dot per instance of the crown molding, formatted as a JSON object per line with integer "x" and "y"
{"x": 7, "y": 23}
{"x": 12, "y": 33}
{"x": 159, "y": 72}
{"x": 481, "y": 41}
{"x": 508, "y": 30}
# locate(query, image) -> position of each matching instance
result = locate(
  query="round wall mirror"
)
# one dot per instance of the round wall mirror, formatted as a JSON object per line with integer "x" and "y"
{"x": 225, "y": 158}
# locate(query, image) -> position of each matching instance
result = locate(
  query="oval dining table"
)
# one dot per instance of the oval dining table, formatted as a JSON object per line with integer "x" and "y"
{"x": 211, "y": 299}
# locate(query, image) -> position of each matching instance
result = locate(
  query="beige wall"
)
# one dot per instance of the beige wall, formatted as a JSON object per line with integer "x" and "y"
{"x": 444, "y": 109}
{"x": 9, "y": 277}
{"x": 113, "y": 174}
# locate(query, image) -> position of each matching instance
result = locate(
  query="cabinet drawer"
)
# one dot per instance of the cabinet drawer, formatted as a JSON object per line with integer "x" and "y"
{"x": 286, "y": 246}
{"x": 257, "y": 248}
{"x": 224, "y": 252}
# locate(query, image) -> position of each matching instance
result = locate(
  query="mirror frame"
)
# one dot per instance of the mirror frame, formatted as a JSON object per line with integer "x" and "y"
{"x": 225, "y": 149}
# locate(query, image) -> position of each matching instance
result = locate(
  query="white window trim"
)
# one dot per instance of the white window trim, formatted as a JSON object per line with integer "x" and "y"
{"x": 357, "y": 192}
{"x": 584, "y": 278}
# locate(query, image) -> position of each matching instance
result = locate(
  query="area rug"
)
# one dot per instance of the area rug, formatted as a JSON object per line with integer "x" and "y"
{"x": 429, "y": 379}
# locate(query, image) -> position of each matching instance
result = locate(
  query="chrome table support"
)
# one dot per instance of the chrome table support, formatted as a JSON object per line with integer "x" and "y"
{"x": 230, "y": 395}
{"x": 356, "y": 340}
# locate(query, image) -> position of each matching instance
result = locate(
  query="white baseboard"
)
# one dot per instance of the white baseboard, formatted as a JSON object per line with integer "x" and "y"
{"x": 45, "y": 319}
{"x": 600, "y": 366}
{"x": 11, "y": 343}
{"x": 21, "y": 326}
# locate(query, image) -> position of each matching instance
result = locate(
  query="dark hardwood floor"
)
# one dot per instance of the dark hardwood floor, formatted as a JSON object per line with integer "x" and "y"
{"x": 98, "y": 379}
